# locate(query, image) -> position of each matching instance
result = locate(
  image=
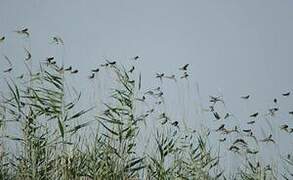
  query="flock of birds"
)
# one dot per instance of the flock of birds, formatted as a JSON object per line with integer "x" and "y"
{"x": 158, "y": 95}
{"x": 253, "y": 116}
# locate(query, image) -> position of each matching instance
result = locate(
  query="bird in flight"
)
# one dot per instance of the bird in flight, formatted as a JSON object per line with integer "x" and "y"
{"x": 222, "y": 140}
{"x": 247, "y": 130}
{"x": 217, "y": 116}
{"x": 2, "y": 39}
{"x": 20, "y": 77}
{"x": 92, "y": 76}
{"x": 184, "y": 68}
{"x": 171, "y": 77}
{"x": 49, "y": 59}
{"x": 254, "y": 115}
{"x": 240, "y": 141}
{"x": 132, "y": 69}
{"x": 251, "y": 122}
{"x": 69, "y": 68}
{"x": 111, "y": 63}
{"x": 268, "y": 139}
{"x": 58, "y": 40}
{"x": 104, "y": 65}
{"x": 28, "y": 54}
{"x": 23, "y": 31}
{"x": 272, "y": 111}
{"x": 8, "y": 70}
{"x": 234, "y": 148}
{"x": 160, "y": 75}
{"x": 184, "y": 76}
{"x": 227, "y": 115}
{"x": 136, "y": 57}
{"x": 214, "y": 99}
{"x": 284, "y": 127}
{"x": 74, "y": 72}
{"x": 245, "y": 97}
{"x": 220, "y": 128}
{"x": 175, "y": 123}
{"x": 8, "y": 60}
{"x": 286, "y": 94}
{"x": 95, "y": 70}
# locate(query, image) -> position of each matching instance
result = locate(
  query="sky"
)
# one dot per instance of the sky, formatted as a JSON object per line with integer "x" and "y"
{"x": 234, "y": 48}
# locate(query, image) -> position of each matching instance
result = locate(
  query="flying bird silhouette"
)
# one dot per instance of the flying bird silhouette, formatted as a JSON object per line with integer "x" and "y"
{"x": 74, "y": 72}
{"x": 2, "y": 39}
{"x": 92, "y": 76}
{"x": 112, "y": 63}
{"x": 175, "y": 123}
{"x": 20, "y": 77}
{"x": 132, "y": 69}
{"x": 8, "y": 60}
{"x": 217, "y": 116}
{"x": 227, "y": 115}
{"x": 245, "y": 97}
{"x": 220, "y": 128}
{"x": 95, "y": 70}
{"x": 136, "y": 57}
{"x": 246, "y": 130}
{"x": 251, "y": 122}
{"x": 284, "y": 127}
{"x": 8, "y": 70}
{"x": 23, "y": 31}
{"x": 171, "y": 77}
{"x": 222, "y": 140}
{"x": 184, "y": 68}
{"x": 160, "y": 75}
{"x": 286, "y": 94}
{"x": 104, "y": 65}
{"x": 68, "y": 69}
{"x": 254, "y": 115}
{"x": 268, "y": 139}
{"x": 184, "y": 76}
{"x": 58, "y": 40}
{"x": 28, "y": 54}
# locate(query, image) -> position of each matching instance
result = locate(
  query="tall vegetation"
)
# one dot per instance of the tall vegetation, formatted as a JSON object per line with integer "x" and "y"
{"x": 47, "y": 134}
